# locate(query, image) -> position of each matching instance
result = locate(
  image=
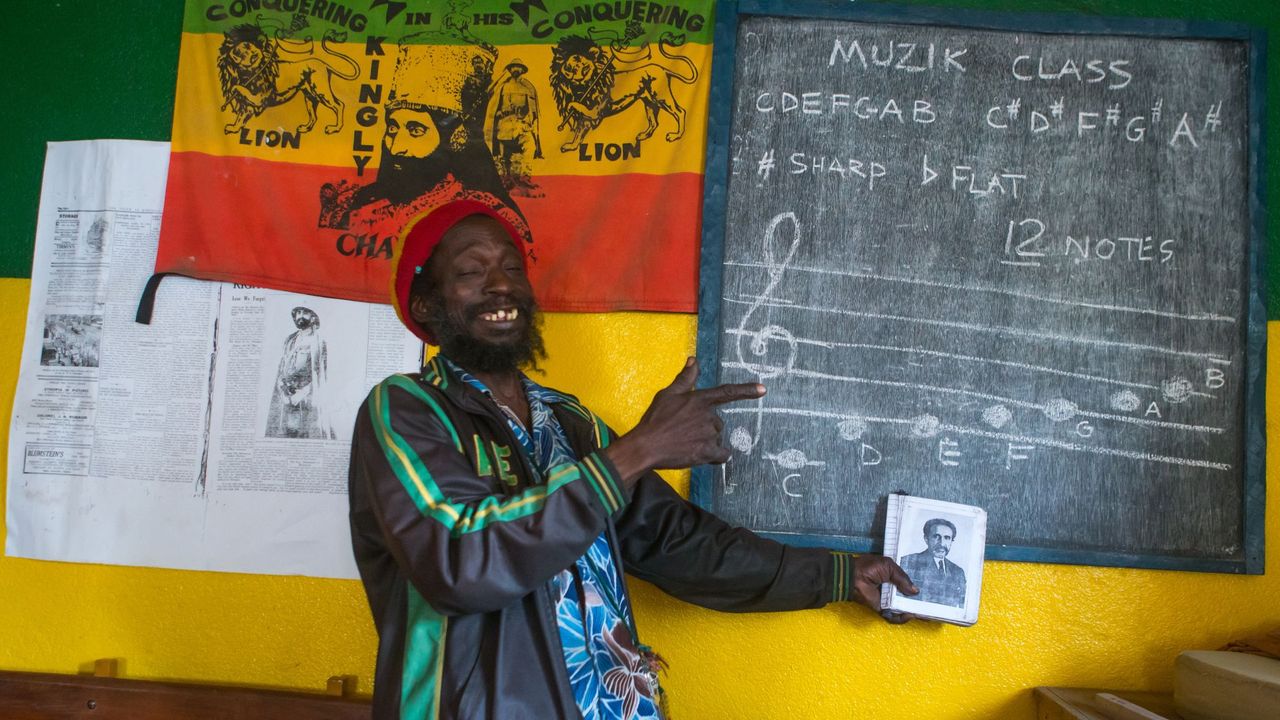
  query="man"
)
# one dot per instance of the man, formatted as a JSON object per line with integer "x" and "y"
{"x": 297, "y": 408}
{"x": 492, "y": 518}
{"x": 515, "y": 130}
{"x": 941, "y": 581}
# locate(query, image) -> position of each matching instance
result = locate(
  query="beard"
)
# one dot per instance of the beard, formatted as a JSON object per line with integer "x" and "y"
{"x": 476, "y": 355}
{"x": 401, "y": 179}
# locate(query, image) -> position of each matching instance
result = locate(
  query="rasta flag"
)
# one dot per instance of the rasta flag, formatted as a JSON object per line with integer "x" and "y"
{"x": 309, "y": 134}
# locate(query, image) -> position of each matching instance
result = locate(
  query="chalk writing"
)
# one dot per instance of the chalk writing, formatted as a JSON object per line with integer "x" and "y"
{"x": 818, "y": 104}
{"x": 1099, "y": 122}
{"x": 895, "y": 55}
{"x": 1025, "y": 68}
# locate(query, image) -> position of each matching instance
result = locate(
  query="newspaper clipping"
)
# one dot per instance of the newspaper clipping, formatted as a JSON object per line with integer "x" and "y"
{"x": 215, "y": 438}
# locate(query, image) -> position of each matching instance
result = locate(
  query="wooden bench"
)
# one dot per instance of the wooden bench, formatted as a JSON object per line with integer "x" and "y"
{"x": 101, "y": 696}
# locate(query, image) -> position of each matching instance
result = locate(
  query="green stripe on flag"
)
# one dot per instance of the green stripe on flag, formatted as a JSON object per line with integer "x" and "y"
{"x": 497, "y": 22}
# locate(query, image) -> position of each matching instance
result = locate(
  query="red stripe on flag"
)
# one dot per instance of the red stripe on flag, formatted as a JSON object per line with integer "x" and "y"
{"x": 617, "y": 242}
{"x": 601, "y": 243}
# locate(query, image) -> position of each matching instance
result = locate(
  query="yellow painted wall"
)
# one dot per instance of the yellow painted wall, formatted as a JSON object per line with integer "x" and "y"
{"x": 1041, "y": 624}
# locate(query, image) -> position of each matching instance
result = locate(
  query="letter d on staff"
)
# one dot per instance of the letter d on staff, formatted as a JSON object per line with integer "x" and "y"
{"x": 870, "y": 455}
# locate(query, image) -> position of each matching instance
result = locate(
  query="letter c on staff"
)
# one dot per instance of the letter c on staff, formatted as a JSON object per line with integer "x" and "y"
{"x": 787, "y": 489}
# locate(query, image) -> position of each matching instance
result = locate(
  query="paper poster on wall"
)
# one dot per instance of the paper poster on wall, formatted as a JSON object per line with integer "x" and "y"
{"x": 215, "y": 438}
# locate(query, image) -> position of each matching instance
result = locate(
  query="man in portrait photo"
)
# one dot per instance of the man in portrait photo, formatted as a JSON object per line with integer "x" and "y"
{"x": 940, "y": 580}
{"x": 297, "y": 408}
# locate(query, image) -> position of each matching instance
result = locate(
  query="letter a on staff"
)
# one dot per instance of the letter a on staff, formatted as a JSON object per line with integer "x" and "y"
{"x": 1184, "y": 130}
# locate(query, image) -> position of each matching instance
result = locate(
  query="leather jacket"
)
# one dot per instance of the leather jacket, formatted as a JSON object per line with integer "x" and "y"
{"x": 457, "y": 538}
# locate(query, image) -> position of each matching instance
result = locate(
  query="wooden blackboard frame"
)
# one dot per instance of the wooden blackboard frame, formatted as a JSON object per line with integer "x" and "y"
{"x": 729, "y": 14}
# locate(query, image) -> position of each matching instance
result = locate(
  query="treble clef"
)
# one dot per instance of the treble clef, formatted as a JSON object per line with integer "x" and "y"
{"x": 753, "y": 358}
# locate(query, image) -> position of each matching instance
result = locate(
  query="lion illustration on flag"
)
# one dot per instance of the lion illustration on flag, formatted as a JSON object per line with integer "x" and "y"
{"x": 258, "y": 72}
{"x": 591, "y": 82}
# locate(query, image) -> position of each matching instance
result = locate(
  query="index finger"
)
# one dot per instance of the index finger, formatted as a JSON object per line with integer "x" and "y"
{"x": 721, "y": 394}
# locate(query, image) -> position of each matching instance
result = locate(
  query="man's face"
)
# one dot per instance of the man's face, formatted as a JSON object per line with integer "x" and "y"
{"x": 411, "y": 133}
{"x": 516, "y": 71}
{"x": 481, "y": 306}
{"x": 939, "y": 537}
{"x": 301, "y": 320}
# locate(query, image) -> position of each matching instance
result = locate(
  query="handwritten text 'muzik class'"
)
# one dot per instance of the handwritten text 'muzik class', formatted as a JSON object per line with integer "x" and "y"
{"x": 916, "y": 57}
{"x": 1134, "y": 120}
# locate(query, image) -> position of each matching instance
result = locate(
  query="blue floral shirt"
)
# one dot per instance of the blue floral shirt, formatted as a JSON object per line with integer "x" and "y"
{"x": 612, "y": 678}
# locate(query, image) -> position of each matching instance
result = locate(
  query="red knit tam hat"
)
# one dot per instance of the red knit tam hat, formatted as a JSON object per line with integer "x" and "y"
{"x": 421, "y": 240}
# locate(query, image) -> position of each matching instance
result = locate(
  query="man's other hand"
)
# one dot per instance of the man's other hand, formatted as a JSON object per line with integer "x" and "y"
{"x": 872, "y": 571}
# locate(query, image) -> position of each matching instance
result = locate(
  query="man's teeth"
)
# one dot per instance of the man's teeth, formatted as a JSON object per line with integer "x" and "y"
{"x": 501, "y": 315}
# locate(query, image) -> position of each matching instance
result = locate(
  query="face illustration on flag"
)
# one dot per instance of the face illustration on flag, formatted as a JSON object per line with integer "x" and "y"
{"x": 432, "y": 149}
{"x": 309, "y": 136}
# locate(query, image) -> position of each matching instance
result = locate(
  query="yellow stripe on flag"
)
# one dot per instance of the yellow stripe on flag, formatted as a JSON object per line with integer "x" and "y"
{"x": 206, "y": 123}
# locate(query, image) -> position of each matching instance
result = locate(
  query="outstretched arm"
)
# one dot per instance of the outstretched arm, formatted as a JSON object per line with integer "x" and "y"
{"x": 694, "y": 555}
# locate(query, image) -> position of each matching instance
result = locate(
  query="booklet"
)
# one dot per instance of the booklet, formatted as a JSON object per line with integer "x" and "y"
{"x": 941, "y": 546}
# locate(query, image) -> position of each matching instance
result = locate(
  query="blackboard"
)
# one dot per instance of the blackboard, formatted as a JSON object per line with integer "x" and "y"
{"x": 1003, "y": 260}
